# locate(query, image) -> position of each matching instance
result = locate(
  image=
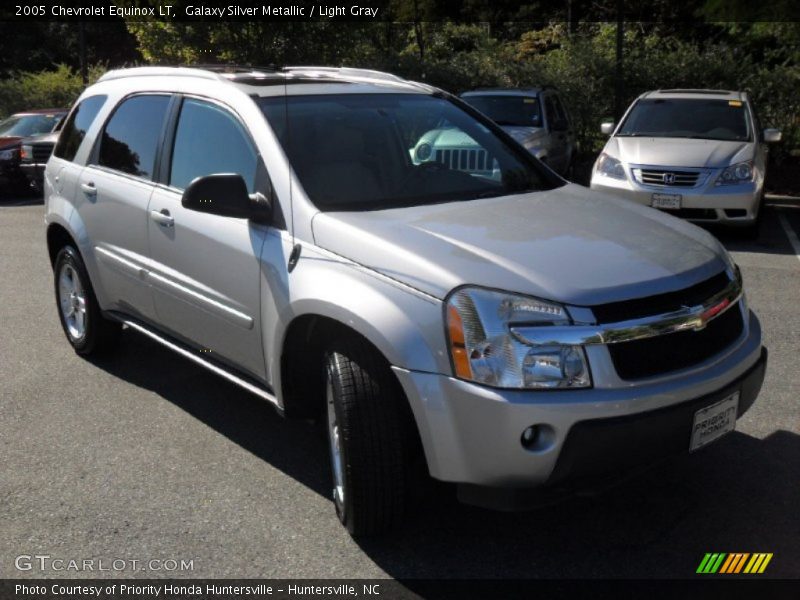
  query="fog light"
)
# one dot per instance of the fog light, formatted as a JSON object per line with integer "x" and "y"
{"x": 530, "y": 436}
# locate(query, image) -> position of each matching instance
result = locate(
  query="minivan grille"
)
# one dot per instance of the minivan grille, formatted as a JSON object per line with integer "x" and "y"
{"x": 668, "y": 177}
{"x": 662, "y": 354}
{"x": 465, "y": 159}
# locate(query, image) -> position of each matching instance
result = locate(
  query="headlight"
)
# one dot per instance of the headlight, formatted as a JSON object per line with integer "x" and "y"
{"x": 9, "y": 154}
{"x": 610, "y": 167}
{"x": 738, "y": 173}
{"x": 424, "y": 152}
{"x": 484, "y": 350}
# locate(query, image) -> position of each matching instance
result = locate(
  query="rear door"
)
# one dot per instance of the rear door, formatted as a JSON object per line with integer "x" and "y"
{"x": 206, "y": 271}
{"x": 62, "y": 170}
{"x": 113, "y": 193}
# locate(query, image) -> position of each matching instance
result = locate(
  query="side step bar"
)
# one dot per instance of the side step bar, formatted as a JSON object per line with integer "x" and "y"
{"x": 194, "y": 357}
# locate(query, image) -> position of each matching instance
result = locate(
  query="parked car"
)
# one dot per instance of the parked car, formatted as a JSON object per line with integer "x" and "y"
{"x": 34, "y": 153}
{"x": 698, "y": 154}
{"x": 506, "y": 331}
{"x": 536, "y": 117}
{"x": 12, "y": 131}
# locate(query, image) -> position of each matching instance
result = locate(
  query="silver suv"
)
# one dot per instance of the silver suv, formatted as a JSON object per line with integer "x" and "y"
{"x": 503, "y": 330}
{"x": 698, "y": 154}
{"x": 535, "y": 117}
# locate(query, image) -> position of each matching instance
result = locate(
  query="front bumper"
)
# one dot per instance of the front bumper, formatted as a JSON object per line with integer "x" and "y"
{"x": 472, "y": 434}
{"x": 33, "y": 172}
{"x": 735, "y": 205}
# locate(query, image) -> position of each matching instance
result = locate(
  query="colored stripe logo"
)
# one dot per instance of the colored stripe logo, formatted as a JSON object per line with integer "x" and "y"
{"x": 734, "y": 563}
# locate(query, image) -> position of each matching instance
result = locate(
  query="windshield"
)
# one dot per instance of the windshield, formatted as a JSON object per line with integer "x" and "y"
{"x": 508, "y": 110}
{"x": 373, "y": 151}
{"x": 688, "y": 118}
{"x": 27, "y": 125}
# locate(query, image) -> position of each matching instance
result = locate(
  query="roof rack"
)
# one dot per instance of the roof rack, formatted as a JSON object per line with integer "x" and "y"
{"x": 697, "y": 91}
{"x": 231, "y": 67}
{"x": 243, "y": 73}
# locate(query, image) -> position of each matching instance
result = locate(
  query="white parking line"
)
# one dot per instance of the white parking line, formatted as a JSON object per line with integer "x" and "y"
{"x": 790, "y": 233}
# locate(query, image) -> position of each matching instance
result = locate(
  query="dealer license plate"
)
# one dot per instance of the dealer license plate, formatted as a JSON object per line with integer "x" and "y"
{"x": 668, "y": 201}
{"x": 712, "y": 422}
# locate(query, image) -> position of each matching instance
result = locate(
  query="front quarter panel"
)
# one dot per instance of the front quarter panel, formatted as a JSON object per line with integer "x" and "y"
{"x": 404, "y": 324}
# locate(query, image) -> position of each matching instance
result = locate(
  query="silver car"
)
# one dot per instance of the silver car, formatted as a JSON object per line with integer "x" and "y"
{"x": 698, "y": 154}
{"x": 535, "y": 117}
{"x": 500, "y": 329}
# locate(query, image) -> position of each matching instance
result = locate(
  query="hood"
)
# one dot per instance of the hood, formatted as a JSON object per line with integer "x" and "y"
{"x": 9, "y": 140}
{"x": 678, "y": 152}
{"x": 571, "y": 245}
{"x": 44, "y": 138}
{"x": 527, "y": 136}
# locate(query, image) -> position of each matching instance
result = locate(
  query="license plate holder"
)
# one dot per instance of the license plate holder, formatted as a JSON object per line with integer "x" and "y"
{"x": 714, "y": 421}
{"x": 666, "y": 201}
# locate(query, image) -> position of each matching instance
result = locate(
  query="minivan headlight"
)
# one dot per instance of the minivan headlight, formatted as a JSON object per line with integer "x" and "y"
{"x": 738, "y": 173}
{"x": 483, "y": 349}
{"x": 610, "y": 167}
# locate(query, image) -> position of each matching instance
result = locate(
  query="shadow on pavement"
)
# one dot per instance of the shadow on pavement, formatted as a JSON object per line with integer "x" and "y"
{"x": 740, "y": 494}
{"x": 295, "y": 447}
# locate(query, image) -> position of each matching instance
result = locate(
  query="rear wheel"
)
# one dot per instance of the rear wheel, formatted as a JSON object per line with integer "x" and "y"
{"x": 371, "y": 438}
{"x": 83, "y": 322}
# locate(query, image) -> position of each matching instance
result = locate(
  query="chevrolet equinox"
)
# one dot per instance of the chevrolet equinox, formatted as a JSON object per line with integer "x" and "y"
{"x": 478, "y": 319}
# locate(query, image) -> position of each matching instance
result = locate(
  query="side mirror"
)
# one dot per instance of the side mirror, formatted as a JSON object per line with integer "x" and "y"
{"x": 607, "y": 128}
{"x": 225, "y": 195}
{"x": 772, "y": 135}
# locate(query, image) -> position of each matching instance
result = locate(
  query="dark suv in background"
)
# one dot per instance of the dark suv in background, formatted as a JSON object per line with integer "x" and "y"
{"x": 19, "y": 139}
{"x": 536, "y": 117}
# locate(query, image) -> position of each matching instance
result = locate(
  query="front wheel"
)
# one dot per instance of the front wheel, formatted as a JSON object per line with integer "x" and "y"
{"x": 370, "y": 438}
{"x": 84, "y": 325}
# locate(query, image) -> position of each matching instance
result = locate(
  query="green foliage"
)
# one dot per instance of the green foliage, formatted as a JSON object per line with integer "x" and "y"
{"x": 579, "y": 59}
{"x": 43, "y": 89}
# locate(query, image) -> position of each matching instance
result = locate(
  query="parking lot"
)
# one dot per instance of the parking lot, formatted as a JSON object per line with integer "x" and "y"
{"x": 145, "y": 456}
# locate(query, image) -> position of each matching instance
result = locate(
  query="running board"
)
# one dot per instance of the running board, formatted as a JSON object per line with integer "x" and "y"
{"x": 194, "y": 357}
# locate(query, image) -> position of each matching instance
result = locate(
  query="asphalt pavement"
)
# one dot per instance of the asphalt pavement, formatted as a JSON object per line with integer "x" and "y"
{"x": 144, "y": 456}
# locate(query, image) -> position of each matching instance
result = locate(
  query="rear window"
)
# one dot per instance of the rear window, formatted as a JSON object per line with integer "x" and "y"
{"x": 74, "y": 130}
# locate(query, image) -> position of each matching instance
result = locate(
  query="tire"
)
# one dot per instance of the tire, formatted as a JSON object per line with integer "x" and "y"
{"x": 81, "y": 319}
{"x": 371, "y": 437}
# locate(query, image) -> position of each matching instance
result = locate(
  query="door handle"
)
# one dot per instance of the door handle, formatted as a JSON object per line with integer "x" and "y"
{"x": 163, "y": 218}
{"x": 89, "y": 188}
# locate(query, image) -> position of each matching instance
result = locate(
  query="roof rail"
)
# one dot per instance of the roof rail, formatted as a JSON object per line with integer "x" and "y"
{"x": 696, "y": 91}
{"x": 347, "y": 71}
{"x": 158, "y": 71}
{"x": 231, "y": 67}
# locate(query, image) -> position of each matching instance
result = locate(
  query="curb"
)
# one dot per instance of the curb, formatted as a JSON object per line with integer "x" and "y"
{"x": 776, "y": 199}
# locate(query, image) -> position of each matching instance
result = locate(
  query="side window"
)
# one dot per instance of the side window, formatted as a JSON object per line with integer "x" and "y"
{"x": 130, "y": 138}
{"x": 555, "y": 115}
{"x": 561, "y": 110}
{"x": 74, "y": 130}
{"x": 210, "y": 140}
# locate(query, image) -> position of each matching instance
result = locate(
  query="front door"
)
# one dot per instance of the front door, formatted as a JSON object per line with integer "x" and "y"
{"x": 205, "y": 268}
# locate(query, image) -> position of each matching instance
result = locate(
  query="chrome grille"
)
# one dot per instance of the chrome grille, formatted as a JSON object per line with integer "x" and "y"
{"x": 669, "y": 177}
{"x": 41, "y": 152}
{"x": 465, "y": 159}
